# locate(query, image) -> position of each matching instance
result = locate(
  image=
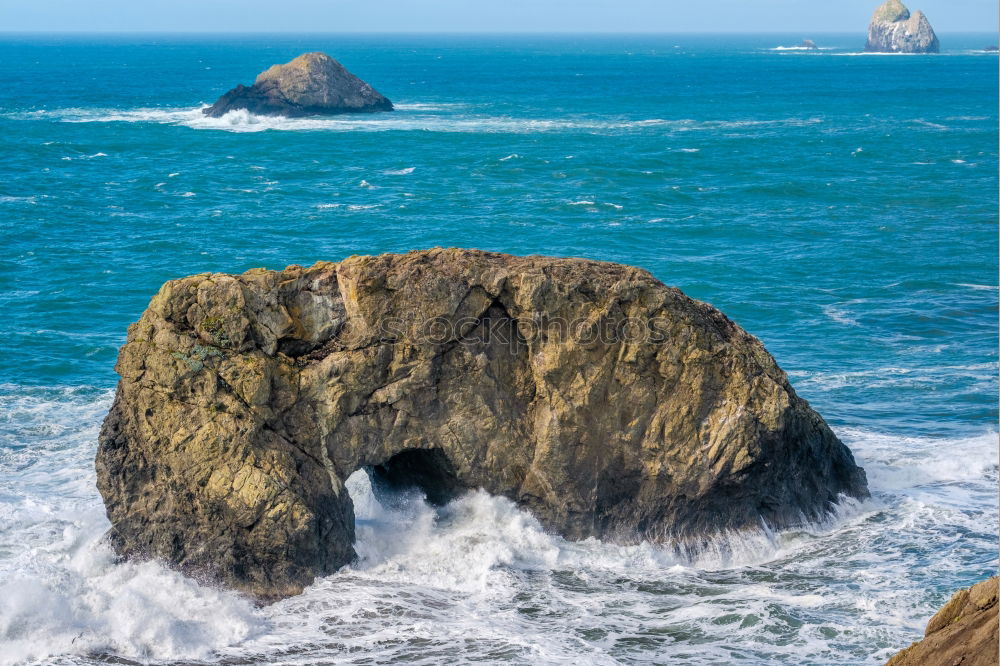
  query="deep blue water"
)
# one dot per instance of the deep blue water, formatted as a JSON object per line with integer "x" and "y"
{"x": 841, "y": 207}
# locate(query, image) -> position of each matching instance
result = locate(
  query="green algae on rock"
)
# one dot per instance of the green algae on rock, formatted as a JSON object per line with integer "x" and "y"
{"x": 602, "y": 401}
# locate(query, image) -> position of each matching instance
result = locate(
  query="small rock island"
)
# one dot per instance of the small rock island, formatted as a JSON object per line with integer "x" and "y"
{"x": 894, "y": 30}
{"x": 597, "y": 398}
{"x": 312, "y": 84}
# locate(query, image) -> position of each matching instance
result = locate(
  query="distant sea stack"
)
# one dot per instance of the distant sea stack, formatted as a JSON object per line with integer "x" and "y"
{"x": 894, "y": 30}
{"x": 808, "y": 44}
{"x": 965, "y": 631}
{"x": 312, "y": 84}
{"x": 597, "y": 398}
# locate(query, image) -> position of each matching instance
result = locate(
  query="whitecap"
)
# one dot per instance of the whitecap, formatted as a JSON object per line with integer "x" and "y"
{"x": 878, "y": 54}
{"x": 931, "y": 125}
{"x": 907, "y": 463}
{"x": 977, "y": 287}
{"x": 399, "y": 172}
{"x": 425, "y": 121}
{"x": 839, "y": 314}
{"x": 85, "y": 157}
{"x": 881, "y": 377}
{"x": 428, "y": 106}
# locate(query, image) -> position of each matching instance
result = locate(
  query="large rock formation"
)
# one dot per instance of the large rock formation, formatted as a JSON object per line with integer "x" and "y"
{"x": 604, "y": 402}
{"x": 894, "y": 30}
{"x": 313, "y": 83}
{"x": 965, "y": 631}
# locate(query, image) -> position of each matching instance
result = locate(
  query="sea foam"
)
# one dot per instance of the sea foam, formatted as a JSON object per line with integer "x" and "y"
{"x": 480, "y": 570}
{"x": 61, "y": 589}
{"x": 406, "y": 118}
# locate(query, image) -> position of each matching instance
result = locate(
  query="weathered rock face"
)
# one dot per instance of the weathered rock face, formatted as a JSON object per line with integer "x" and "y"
{"x": 313, "y": 83}
{"x": 894, "y": 30}
{"x": 965, "y": 631}
{"x": 604, "y": 402}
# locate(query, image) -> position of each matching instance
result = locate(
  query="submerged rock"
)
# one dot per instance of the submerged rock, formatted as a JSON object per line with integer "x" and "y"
{"x": 965, "y": 631}
{"x": 894, "y": 30}
{"x": 312, "y": 84}
{"x": 602, "y": 401}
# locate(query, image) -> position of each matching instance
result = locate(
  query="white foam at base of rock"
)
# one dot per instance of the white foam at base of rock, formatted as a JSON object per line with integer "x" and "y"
{"x": 480, "y": 576}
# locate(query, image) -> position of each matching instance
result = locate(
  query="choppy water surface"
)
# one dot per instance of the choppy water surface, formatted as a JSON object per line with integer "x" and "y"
{"x": 842, "y": 209}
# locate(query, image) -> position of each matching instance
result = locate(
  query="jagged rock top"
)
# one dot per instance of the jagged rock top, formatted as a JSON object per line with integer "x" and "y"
{"x": 311, "y": 84}
{"x": 894, "y": 30}
{"x": 597, "y": 398}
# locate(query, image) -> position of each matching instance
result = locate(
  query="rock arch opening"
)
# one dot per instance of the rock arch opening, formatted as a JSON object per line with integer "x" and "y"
{"x": 427, "y": 470}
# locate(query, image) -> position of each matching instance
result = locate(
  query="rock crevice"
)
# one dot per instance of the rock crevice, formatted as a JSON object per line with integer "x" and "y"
{"x": 604, "y": 402}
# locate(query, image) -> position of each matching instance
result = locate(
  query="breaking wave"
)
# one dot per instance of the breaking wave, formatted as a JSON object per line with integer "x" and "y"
{"x": 801, "y": 48}
{"x": 479, "y": 570}
{"x": 407, "y": 118}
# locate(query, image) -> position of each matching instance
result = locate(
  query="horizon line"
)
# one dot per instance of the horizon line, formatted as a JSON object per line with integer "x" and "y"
{"x": 463, "y": 32}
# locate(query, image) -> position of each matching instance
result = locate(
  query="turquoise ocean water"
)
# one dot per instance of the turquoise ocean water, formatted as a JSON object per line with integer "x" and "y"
{"x": 842, "y": 207}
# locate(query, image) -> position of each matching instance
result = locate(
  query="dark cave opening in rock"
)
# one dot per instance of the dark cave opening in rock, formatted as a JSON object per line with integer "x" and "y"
{"x": 427, "y": 470}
